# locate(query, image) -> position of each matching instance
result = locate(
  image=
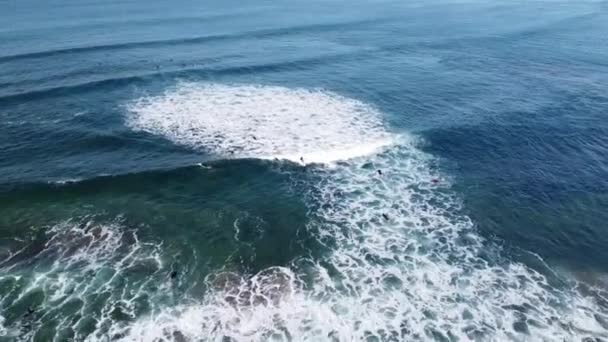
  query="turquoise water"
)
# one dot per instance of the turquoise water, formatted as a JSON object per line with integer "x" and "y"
{"x": 303, "y": 171}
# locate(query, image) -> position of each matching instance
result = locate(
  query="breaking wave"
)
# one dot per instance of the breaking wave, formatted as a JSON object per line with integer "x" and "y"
{"x": 404, "y": 261}
{"x": 262, "y": 122}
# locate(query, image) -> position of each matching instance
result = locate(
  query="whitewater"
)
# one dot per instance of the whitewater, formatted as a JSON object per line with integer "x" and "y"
{"x": 406, "y": 262}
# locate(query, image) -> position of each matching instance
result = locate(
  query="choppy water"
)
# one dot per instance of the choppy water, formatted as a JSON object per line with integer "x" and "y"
{"x": 209, "y": 171}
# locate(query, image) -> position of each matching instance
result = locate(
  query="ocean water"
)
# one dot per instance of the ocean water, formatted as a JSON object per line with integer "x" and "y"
{"x": 420, "y": 170}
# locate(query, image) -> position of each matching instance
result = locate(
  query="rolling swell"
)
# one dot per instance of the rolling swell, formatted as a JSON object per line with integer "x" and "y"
{"x": 139, "y": 181}
{"x": 143, "y": 79}
{"x": 267, "y": 33}
{"x": 404, "y": 257}
{"x": 151, "y": 20}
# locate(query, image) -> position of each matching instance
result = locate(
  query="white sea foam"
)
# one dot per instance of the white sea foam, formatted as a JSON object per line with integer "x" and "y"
{"x": 66, "y": 181}
{"x": 261, "y": 122}
{"x": 414, "y": 274}
{"x": 404, "y": 263}
{"x": 3, "y": 330}
{"x": 82, "y": 269}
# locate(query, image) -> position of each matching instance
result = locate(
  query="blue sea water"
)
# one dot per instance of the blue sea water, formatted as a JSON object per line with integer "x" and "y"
{"x": 303, "y": 171}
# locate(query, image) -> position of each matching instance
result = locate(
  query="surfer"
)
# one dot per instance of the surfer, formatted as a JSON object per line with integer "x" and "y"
{"x": 29, "y": 312}
{"x": 302, "y": 160}
{"x": 385, "y": 216}
{"x": 379, "y": 172}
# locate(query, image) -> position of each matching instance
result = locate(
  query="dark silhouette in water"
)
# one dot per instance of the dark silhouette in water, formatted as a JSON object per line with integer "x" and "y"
{"x": 379, "y": 172}
{"x": 385, "y": 216}
{"x": 435, "y": 180}
{"x": 173, "y": 274}
{"x": 29, "y": 312}
{"x": 254, "y": 138}
{"x": 302, "y": 159}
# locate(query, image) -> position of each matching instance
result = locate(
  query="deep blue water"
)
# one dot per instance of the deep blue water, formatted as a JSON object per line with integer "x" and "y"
{"x": 487, "y": 223}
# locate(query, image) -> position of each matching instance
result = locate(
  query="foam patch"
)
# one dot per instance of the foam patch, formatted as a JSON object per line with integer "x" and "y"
{"x": 261, "y": 122}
